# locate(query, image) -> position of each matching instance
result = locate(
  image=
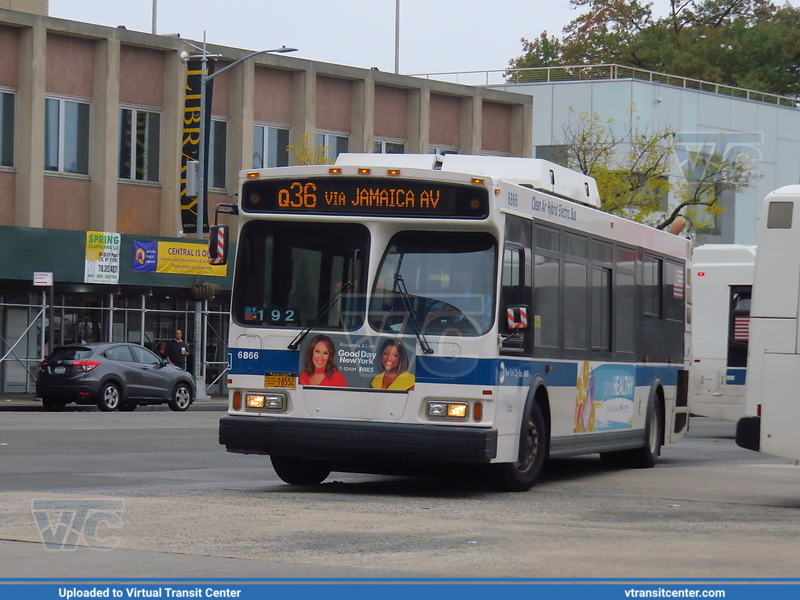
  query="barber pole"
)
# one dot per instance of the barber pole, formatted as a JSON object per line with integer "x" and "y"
{"x": 218, "y": 257}
{"x": 517, "y": 317}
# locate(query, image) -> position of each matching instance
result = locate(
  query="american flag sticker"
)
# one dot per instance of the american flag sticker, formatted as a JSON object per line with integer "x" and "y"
{"x": 741, "y": 329}
{"x": 677, "y": 289}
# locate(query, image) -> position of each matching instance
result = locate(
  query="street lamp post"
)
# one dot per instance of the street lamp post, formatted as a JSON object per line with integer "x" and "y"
{"x": 202, "y": 189}
{"x": 397, "y": 36}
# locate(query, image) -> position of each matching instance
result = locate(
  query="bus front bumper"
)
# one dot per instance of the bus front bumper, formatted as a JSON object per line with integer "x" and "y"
{"x": 319, "y": 438}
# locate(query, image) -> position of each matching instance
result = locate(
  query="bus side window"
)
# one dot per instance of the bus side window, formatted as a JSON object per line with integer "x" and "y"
{"x": 624, "y": 302}
{"x": 651, "y": 287}
{"x": 513, "y": 259}
{"x": 674, "y": 291}
{"x": 739, "y": 325}
{"x": 601, "y": 309}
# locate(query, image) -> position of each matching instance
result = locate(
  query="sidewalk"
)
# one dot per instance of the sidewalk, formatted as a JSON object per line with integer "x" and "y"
{"x": 30, "y": 403}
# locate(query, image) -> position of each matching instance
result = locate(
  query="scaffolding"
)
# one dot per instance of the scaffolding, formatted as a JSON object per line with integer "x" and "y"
{"x": 28, "y": 321}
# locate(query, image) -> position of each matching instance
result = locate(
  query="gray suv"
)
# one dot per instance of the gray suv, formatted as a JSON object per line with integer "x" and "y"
{"x": 114, "y": 376}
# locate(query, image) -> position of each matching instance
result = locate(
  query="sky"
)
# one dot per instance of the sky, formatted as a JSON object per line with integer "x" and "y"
{"x": 435, "y": 35}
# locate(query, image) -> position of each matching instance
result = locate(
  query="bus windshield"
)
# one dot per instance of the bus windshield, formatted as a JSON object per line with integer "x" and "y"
{"x": 444, "y": 281}
{"x": 287, "y": 272}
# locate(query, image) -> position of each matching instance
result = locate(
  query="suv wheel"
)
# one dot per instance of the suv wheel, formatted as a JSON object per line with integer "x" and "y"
{"x": 110, "y": 397}
{"x": 181, "y": 397}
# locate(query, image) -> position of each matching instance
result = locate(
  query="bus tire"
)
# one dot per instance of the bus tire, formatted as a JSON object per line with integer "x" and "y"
{"x": 644, "y": 457}
{"x": 520, "y": 476}
{"x": 296, "y": 471}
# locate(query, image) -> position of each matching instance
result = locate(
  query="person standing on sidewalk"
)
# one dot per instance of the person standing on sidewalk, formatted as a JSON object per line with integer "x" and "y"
{"x": 176, "y": 352}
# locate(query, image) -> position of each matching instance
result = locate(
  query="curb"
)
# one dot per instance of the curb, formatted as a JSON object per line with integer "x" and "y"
{"x": 28, "y": 403}
{"x": 77, "y": 408}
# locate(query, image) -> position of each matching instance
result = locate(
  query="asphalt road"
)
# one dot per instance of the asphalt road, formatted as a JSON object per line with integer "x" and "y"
{"x": 186, "y": 508}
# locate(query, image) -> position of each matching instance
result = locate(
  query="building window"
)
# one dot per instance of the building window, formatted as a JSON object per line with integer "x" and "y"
{"x": 270, "y": 147}
{"x": 442, "y": 150}
{"x": 66, "y": 136}
{"x": 217, "y": 152}
{"x": 555, "y": 154}
{"x": 6, "y": 129}
{"x": 139, "y": 144}
{"x": 388, "y": 147}
{"x": 334, "y": 144}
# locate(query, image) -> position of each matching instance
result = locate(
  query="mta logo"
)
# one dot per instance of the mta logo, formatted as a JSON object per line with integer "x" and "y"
{"x": 65, "y": 524}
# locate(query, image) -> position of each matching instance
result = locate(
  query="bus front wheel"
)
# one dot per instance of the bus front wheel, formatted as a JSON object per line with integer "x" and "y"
{"x": 520, "y": 476}
{"x": 297, "y": 471}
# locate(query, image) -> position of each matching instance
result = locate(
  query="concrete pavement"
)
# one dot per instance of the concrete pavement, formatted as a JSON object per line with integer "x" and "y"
{"x": 29, "y": 402}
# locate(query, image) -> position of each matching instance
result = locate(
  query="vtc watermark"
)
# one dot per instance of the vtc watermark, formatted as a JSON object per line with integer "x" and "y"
{"x": 65, "y": 524}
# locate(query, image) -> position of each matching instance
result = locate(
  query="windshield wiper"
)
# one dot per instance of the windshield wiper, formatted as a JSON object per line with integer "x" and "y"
{"x": 403, "y": 290}
{"x": 322, "y": 312}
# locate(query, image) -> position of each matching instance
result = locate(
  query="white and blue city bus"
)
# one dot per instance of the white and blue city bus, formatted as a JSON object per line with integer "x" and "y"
{"x": 722, "y": 282}
{"x": 393, "y": 312}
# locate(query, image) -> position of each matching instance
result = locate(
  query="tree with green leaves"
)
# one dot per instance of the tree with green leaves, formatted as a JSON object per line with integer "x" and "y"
{"x": 636, "y": 173}
{"x": 310, "y": 152}
{"x": 750, "y": 44}
{"x": 630, "y": 163}
{"x": 705, "y": 178}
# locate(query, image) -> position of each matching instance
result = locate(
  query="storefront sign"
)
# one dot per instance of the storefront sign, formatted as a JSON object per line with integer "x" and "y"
{"x": 42, "y": 279}
{"x": 102, "y": 257}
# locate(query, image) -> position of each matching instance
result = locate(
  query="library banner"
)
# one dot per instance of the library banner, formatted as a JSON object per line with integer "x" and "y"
{"x": 174, "y": 257}
{"x": 191, "y": 142}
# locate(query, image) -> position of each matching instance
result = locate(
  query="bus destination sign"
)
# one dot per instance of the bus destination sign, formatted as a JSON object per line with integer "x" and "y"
{"x": 361, "y": 196}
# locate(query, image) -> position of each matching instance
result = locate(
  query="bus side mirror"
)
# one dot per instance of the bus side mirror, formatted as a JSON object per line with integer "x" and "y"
{"x": 218, "y": 245}
{"x": 517, "y": 318}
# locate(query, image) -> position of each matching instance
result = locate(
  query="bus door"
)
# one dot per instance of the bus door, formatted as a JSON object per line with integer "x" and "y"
{"x": 515, "y": 290}
{"x": 515, "y": 328}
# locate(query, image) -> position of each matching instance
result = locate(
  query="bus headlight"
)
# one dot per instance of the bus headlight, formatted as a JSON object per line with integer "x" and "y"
{"x": 448, "y": 410}
{"x": 274, "y": 402}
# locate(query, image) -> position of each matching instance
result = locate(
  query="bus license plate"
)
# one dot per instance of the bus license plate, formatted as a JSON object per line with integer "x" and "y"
{"x": 280, "y": 380}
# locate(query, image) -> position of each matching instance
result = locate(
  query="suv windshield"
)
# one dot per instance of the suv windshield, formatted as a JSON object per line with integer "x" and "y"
{"x": 449, "y": 278}
{"x": 286, "y": 272}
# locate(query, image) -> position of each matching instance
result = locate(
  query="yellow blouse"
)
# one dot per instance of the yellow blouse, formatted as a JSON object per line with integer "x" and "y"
{"x": 404, "y": 381}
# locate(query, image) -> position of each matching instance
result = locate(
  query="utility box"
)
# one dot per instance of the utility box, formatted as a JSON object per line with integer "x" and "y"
{"x": 192, "y": 178}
